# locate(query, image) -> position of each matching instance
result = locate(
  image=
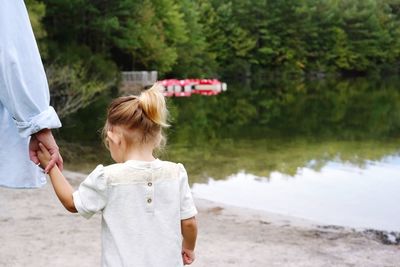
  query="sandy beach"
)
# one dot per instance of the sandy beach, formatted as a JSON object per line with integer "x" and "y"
{"x": 37, "y": 231}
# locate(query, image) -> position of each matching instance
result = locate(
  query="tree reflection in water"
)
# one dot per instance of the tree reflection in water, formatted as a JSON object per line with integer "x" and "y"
{"x": 280, "y": 126}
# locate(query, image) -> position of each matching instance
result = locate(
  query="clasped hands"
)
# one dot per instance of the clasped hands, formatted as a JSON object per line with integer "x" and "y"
{"x": 46, "y": 139}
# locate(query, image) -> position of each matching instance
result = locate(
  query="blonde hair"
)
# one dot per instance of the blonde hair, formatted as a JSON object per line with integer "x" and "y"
{"x": 142, "y": 117}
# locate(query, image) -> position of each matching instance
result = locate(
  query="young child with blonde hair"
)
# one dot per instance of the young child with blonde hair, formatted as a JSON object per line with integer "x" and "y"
{"x": 148, "y": 213}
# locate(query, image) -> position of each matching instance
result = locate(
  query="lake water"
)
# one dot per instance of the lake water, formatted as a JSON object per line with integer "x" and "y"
{"x": 339, "y": 193}
{"x": 328, "y": 151}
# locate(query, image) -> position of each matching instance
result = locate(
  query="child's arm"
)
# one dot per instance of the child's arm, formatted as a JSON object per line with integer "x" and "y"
{"x": 61, "y": 186}
{"x": 189, "y": 233}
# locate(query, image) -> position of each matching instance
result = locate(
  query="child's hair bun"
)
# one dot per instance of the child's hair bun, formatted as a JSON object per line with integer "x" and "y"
{"x": 143, "y": 117}
{"x": 153, "y": 104}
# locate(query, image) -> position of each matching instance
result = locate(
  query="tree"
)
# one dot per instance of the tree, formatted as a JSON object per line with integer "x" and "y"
{"x": 70, "y": 88}
{"x": 37, "y": 11}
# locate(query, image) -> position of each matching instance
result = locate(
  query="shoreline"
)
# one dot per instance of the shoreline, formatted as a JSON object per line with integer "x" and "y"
{"x": 39, "y": 232}
{"x": 386, "y": 237}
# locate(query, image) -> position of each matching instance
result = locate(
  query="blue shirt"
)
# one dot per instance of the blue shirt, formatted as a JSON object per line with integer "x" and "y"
{"x": 24, "y": 97}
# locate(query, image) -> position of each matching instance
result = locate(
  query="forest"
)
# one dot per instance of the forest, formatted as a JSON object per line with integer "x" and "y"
{"x": 230, "y": 39}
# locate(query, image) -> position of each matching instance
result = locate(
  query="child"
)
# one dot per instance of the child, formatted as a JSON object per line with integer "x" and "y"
{"x": 146, "y": 204}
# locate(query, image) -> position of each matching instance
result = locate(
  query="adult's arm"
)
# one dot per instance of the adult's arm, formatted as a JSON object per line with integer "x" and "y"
{"x": 23, "y": 85}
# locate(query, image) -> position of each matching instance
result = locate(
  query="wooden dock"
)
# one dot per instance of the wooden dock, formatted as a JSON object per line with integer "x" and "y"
{"x": 133, "y": 82}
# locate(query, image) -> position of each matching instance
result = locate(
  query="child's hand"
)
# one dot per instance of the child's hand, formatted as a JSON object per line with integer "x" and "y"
{"x": 188, "y": 256}
{"x": 43, "y": 155}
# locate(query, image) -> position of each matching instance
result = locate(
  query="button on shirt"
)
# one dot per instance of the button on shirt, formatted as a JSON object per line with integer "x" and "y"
{"x": 24, "y": 97}
{"x": 142, "y": 205}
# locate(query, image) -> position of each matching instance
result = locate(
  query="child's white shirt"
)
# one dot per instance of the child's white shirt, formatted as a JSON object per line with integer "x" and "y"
{"x": 142, "y": 205}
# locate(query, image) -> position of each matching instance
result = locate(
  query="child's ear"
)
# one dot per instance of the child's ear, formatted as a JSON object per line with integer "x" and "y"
{"x": 114, "y": 137}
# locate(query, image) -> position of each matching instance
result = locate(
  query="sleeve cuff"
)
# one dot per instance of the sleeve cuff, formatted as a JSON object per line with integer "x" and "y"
{"x": 79, "y": 206}
{"x": 47, "y": 119}
{"x": 188, "y": 214}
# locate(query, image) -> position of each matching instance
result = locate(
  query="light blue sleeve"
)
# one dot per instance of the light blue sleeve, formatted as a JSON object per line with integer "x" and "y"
{"x": 23, "y": 85}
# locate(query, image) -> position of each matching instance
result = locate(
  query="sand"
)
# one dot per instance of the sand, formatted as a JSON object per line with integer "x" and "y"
{"x": 35, "y": 230}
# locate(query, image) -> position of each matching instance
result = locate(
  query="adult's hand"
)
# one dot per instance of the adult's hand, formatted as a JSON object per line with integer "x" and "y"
{"x": 46, "y": 138}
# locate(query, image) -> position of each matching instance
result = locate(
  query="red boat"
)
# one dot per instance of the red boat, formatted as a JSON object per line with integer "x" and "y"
{"x": 187, "y": 87}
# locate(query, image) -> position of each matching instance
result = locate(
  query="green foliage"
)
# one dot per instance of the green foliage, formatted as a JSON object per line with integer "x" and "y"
{"x": 194, "y": 58}
{"x": 37, "y": 11}
{"x": 232, "y": 39}
{"x": 162, "y": 29}
{"x": 71, "y": 89}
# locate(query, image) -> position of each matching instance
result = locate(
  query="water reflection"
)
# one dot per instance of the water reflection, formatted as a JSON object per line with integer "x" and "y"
{"x": 324, "y": 145}
{"x": 339, "y": 193}
{"x": 262, "y": 157}
{"x": 331, "y": 109}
